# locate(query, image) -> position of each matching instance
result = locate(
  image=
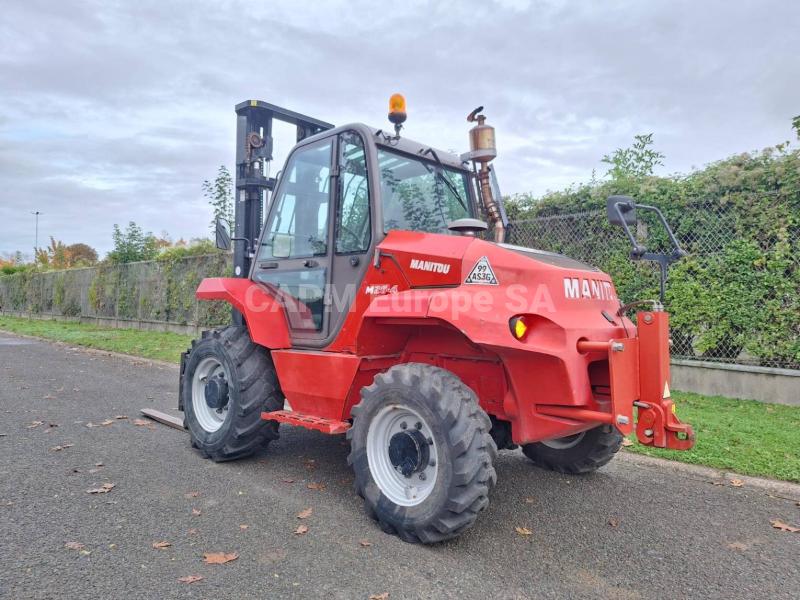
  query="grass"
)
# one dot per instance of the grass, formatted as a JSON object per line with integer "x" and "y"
{"x": 148, "y": 344}
{"x": 745, "y": 436}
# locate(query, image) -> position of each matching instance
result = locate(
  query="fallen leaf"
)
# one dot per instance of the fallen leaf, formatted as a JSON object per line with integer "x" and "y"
{"x": 61, "y": 447}
{"x": 100, "y": 424}
{"x": 287, "y": 480}
{"x": 626, "y": 442}
{"x": 191, "y": 495}
{"x": 365, "y": 543}
{"x": 35, "y": 424}
{"x": 190, "y": 578}
{"x": 737, "y": 546}
{"x": 74, "y": 546}
{"x": 48, "y": 397}
{"x": 99, "y": 465}
{"x": 158, "y": 545}
{"x": 243, "y": 527}
{"x": 717, "y": 483}
{"x": 530, "y": 500}
{"x": 304, "y": 514}
{"x": 219, "y": 558}
{"x": 316, "y": 486}
{"x": 196, "y": 512}
{"x": 103, "y": 489}
{"x": 784, "y": 526}
{"x": 141, "y": 422}
{"x": 121, "y": 417}
{"x": 737, "y": 482}
{"x": 523, "y": 531}
{"x": 382, "y": 596}
{"x": 613, "y": 522}
{"x": 301, "y": 529}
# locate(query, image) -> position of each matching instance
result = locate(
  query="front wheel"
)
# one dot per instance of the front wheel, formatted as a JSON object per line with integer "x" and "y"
{"x": 576, "y": 454}
{"x": 227, "y": 382}
{"x": 421, "y": 453}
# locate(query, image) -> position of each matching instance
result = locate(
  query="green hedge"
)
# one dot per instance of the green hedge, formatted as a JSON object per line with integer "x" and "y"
{"x": 736, "y": 297}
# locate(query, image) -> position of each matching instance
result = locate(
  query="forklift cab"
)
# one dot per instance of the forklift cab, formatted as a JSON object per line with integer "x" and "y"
{"x": 340, "y": 192}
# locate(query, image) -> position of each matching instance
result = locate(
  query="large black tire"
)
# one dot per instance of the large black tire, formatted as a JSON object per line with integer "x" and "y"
{"x": 464, "y": 452}
{"x": 579, "y": 454}
{"x": 252, "y": 388}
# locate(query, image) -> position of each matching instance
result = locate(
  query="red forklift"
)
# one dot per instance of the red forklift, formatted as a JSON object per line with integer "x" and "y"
{"x": 380, "y": 301}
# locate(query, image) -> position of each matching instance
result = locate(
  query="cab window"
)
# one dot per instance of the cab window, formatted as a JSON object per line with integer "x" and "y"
{"x": 420, "y": 195}
{"x": 298, "y": 225}
{"x": 352, "y": 211}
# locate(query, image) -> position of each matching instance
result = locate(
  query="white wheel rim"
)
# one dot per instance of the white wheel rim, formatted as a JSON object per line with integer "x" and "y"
{"x": 210, "y": 419}
{"x": 402, "y": 490}
{"x": 563, "y": 443}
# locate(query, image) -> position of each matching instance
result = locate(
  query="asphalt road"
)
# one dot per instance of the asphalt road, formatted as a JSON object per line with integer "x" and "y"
{"x": 632, "y": 530}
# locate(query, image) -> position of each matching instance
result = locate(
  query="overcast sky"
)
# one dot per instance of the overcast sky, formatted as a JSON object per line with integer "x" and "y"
{"x": 117, "y": 111}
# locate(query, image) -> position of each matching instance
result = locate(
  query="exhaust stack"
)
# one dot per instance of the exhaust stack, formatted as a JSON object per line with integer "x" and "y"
{"x": 482, "y": 151}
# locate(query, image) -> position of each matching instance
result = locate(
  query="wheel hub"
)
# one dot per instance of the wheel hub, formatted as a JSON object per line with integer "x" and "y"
{"x": 216, "y": 392}
{"x": 409, "y": 452}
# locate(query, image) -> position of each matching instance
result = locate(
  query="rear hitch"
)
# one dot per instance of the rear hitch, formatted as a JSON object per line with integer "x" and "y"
{"x": 658, "y": 426}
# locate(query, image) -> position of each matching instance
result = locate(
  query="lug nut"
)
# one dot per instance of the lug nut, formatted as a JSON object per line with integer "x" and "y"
{"x": 430, "y": 441}
{"x": 422, "y": 476}
{"x": 432, "y": 463}
{"x": 418, "y": 425}
{"x": 403, "y": 425}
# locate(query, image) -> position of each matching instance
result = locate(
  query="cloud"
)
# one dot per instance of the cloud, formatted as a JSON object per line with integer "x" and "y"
{"x": 117, "y": 111}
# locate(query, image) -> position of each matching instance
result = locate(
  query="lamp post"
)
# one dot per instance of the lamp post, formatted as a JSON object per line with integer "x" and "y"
{"x": 37, "y": 213}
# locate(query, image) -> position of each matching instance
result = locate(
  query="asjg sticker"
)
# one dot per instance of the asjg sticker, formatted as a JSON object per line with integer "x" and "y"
{"x": 482, "y": 273}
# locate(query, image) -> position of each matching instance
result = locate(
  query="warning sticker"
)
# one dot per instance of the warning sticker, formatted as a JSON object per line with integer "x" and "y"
{"x": 482, "y": 273}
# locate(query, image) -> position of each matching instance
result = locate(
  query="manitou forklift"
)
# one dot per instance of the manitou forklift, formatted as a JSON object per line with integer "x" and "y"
{"x": 378, "y": 303}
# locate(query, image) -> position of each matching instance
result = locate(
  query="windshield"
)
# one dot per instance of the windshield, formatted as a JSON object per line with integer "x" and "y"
{"x": 420, "y": 195}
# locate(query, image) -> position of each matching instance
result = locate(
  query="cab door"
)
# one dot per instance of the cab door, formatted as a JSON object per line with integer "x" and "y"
{"x": 317, "y": 238}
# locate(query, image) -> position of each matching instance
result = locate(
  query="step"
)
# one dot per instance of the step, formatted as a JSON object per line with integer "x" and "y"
{"x": 330, "y": 426}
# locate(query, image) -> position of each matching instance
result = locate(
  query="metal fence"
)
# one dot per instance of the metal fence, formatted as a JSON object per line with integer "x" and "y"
{"x": 734, "y": 299}
{"x": 159, "y": 291}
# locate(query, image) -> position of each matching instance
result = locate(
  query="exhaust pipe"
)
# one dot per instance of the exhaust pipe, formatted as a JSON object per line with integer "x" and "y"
{"x": 482, "y": 151}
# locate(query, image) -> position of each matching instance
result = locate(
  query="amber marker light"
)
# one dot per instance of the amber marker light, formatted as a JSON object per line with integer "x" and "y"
{"x": 519, "y": 328}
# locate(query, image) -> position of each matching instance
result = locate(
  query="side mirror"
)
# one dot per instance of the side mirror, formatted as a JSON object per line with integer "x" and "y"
{"x": 223, "y": 234}
{"x": 621, "y": 210}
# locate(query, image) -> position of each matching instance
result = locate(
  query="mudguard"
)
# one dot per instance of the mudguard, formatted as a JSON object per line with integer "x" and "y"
{"x": 264, "y": 315}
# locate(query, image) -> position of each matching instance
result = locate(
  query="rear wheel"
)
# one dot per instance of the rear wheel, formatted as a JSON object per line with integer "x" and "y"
{"x": 227, "y": 382}
{"x": 581, "y": 453}
{"x": 421, "y": 453}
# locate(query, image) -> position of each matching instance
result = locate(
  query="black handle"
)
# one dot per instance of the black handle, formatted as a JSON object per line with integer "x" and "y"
{"x": 268, "y": 265}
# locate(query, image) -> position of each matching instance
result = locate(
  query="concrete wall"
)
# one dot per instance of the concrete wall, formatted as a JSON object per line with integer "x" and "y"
{"x": 765, "y": 384}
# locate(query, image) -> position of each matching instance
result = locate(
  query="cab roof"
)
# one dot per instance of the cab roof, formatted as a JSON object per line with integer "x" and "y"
{"x": 385, "y": 139}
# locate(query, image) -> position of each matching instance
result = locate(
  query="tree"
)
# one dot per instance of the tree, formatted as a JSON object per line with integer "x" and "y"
{"x": 219, "y": 194}
{"x": 133, "y": 244}
{"x": 53, "y": 256}
{"x": 635, "y": 162}
{"x": 81, "y": 255}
